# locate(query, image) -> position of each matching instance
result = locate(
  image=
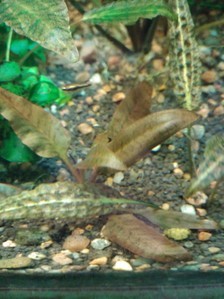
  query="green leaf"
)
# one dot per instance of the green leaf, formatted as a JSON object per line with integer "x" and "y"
{"x": 36, "y": 128}
{"x": 12, "y": 149}
{"x": 45, "y": 22}
{"x": 129, "y": 12}
{"x": 212, "y": 168}
{"x": 44, "y": 93}
{"x": 9, "y": 71}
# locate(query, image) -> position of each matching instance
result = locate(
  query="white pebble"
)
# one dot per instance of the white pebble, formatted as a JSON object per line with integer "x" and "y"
{"x": 100, "y": 244}
{"x": 188, "y": 209}
{"x": 36, "y": 256}
{"x": 118, "y": 177}
{"x": 156, "y": 148}
{"x": 197, "y": 132}
{"x": 96, "y": 79}
{"x": 9, "y": 243}
{"x": 122, "y": 266}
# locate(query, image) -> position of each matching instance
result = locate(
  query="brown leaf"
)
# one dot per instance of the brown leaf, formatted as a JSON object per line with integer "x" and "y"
{"x": 170, "y": 219}
{"x": 101, "y": 156}
{"x": 144, "y": 240}
{"x": 135, "y": 106}
{"x": 36, "y": 128}
{"x": 134, "y": 141}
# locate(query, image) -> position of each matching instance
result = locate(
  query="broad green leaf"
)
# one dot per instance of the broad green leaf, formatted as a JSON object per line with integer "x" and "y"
{"x": 184, "y": 57}
{"x": 44, "y": 93}
{"x": 45, "y": 22}
{"x": 129, "y": 12}
{"x": 133, "y": 142}
{"x": 142, "y": 239}
{"x": 9, "y": 71}
{"x": 212, "y": 168}
{"x": 36, "y": 128}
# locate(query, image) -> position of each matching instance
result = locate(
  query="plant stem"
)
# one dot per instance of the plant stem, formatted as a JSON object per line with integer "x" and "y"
{"x": 112, "y": 39}
{"x": 74, "y": 171}
{"x": 209, "y": 25}
{"x": 192, "y": 167}
{"x": 9, "y": 41}
{"x": 27, "y": 55}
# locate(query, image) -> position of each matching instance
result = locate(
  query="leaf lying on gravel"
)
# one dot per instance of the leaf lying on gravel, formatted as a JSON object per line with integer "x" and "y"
{"x": 136, "y": 236}
{"x": 36, "y": 128}
{"x": 129, "y": 12}
{"x": 45, "y": 22}
{"x": 133, "y": 131}
{"x": 212, "y": 168}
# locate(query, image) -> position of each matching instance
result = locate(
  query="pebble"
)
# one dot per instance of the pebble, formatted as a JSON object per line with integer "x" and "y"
{"x": 218, "y": 257}
{"x": 143, "y": 267}
{"x": 96, "y": 79}
{"x": 178, "y": 173}
{"x": 118, "y": 177}
{"x": 188, "y": 244}
{"x": 36, "y": 256}
{"x": 156, "y": 148}
{"x": 122, "y": 266}
{"x": 177, "y": 234}
{"x": 61, "y": 258}
{"x": 100, "y": 244}
{"x": 171, "y": 148}
{"x": 158, "y": 64}
{"x": 204, "y": 236}
{"x": 76, "y": 242}
{"x": 188, "y": 209}
{"x": 218, "y": 110}
{"x": 46, "y": 244}
{"x": 209, "y": 76}
{"x": 9, "y": 243}
{"x": 198, "y": 199}
{"x": 15, "y": 263}
{"x": 201, "y": 212}
{"x": 197, "y": 132}
{"x": 165, "y": 206}
{"x": 204, "y": 111}
{"x": 85, "y": 129}
{"x": 117, "y": 97}
{"x": 88, "y": 52}
{"x": 100, "y": 261}
{"x": 220, "y": 66}
{"x": 214, "y": 249}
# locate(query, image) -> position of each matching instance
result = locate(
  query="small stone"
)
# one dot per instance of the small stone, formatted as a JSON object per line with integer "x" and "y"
{"x": 122, "y": 266}
{"x": 198, "y": 199}
{"x": 204, "y": 236}
{"x": 117, "y": 97}
{"x": 46, "y": 244}
{"x": 113, "y": 61}
{"x": 188, "y": 209}
{"x": 85, "y": 251}
{"x": 187, "y": 176}
{"x": 209, "y": 76}
{"x": 156, "y": 148}
{"x": 160, "y": 98}
{"x": 15, "y": 263}
{"x": 188, "y": 244}
{"x": 177, "y": 233}
{"x": 89, "y": 100}
{"x": 96, "y": 79}
{"x": 85, "y": 129}
{"x": 76, "y": 255}
{"x": 76, "y": 242}
{"x": 118, "y": 177}
{"x": 201, "y": 212}
{"x": 197, "y": 132}
{"x": 171, "y": 148}
{"x": 62, "y": 259}
{"x": 96, "y": 108}
{"x": 165, "y": 206}
{"x": 158, "y": 64}
{"x": 36, "y": 256}
{"x": 178, "y": 173}
{"x": 142, "y": 267}
{"x": 214, "y": 249}
{"x": 218, "y": 110}
{"x": 9, "y": 243}
{"x": 220, "y": 66}
{"x": 100, "y": 261}
{"x": 218, "y": 257}
{"x": 88, "y": 52}
{"x": 100, "y": 244}
{"x": 204, "y": 111}
{"x": 109, "y": 181}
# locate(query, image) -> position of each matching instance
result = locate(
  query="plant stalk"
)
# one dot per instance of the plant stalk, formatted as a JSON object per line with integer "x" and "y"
{"x": 9, "y": 42}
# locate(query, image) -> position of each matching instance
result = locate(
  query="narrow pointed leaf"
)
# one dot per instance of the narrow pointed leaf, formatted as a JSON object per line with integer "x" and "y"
{"x": 142, "y": 239}
{"x": 45, "y": 22}
{"x": 170, "y": 219}
{"x": 135, "y": 106}
{"x": 36, "y": 128}
{"x": 129, "y": 12}
{"x": 136, "y": 140}
{"x": 184, "y": 57}
{"x": 212, "y": 168}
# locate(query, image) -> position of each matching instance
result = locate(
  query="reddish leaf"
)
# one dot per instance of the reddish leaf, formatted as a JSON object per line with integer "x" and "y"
{"x": 144, "y": 240}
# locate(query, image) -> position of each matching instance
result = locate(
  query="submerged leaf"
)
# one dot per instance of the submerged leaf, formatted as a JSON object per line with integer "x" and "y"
{"x": 129, "y": 12}
{"x": 136, "y": 140}
{"x": 142, "y": 239}
{"x": 45, "y": 22}
{"x": 36, "y": 128}
{"x": 212, "y": 168}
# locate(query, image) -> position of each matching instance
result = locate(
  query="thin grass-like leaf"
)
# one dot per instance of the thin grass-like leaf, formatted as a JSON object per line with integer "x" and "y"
{"x": 45, "y": 22}
{"x": 129, "y": 12}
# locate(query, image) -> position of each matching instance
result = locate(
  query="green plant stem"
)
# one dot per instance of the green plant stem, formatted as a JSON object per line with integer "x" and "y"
{"x": 192, "y": 168}
{"x": 9, "y": 41}
{"x": 112, "y": 39}
{"x": 27, "y": 55}
{"x": 209, "y": 25}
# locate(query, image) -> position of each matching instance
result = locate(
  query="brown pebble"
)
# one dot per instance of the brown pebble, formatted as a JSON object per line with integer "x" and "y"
{"x": 84, "y": 128}
{"x": 209, "y": 76}
{"x": 178, "y": 172}
{"x": 158, "y": 64}
{"x": 96, "y": 108}
{"x": 117, "y": 97}
{"x": 99, "y": 261}
{"x": 204, "y": 236}
{"x": 62, "y": 259}
{"x": 201, "y": 212}
{"x": 76, "y": 242}
{"x": 218, "y": 110}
